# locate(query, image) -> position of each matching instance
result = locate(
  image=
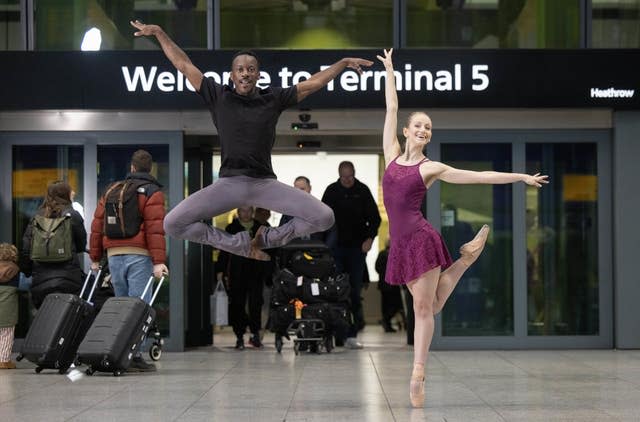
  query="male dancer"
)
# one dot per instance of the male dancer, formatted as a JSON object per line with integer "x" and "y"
{"x": 246, "y": 118}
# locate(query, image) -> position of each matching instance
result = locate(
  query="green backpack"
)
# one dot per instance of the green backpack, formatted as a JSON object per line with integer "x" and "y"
{"x": 51, "y": 239}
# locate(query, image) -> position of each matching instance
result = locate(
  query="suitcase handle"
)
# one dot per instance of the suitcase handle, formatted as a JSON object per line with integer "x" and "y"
{"x": 86, "y": 282}
{"x": 149, "y": 284}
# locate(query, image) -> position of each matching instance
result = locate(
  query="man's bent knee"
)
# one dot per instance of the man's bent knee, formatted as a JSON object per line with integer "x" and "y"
{"x": 325, "y": 218}
{"x": 172, "y": 225}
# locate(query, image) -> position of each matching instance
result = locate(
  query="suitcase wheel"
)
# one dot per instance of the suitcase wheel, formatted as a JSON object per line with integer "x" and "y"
{"x": 117, "y": 373}
{"x": 19, "y": 357}
{"x": 89, "y": 371}
{"x": 155, "y": 351}
{"x": 39, "y": 369}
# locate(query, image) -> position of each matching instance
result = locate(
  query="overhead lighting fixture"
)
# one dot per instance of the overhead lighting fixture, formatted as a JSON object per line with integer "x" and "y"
{"x": 92, "y": 40}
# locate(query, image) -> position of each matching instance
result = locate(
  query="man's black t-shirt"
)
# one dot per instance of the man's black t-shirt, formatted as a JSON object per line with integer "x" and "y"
{"x": 246, "y": 126}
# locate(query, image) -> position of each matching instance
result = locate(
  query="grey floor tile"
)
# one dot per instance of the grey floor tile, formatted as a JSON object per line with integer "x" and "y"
{"x": 220, "y": 383}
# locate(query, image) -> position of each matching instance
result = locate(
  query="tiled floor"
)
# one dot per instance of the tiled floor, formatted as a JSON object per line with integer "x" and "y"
{"x": 222, "y": 384}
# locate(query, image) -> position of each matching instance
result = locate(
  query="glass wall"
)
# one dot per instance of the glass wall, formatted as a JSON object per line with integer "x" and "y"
{"x": 615, "y": 24}
{"x": 493, "y": 23}
{"x": 338, "y": 24}
{"x": 10, "y": 31}
{"x": 306, "y": 24}
{"x": 482, "y": 303}
{"x": 104, "y": 24}
{"x": 113, "y": 165}
{"x": 562, "y": 241}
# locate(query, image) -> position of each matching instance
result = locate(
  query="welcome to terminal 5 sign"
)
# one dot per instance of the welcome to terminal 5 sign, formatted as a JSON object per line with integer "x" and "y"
{"x": 146, "y": 80}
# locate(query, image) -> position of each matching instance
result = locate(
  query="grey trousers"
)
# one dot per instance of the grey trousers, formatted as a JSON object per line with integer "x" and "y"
{"x": 228, "y": 193}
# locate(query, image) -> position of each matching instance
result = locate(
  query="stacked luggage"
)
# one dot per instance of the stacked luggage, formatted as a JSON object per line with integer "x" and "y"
{"x": 309, "y": 300}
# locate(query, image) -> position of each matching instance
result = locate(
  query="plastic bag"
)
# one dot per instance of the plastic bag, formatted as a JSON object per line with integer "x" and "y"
{"x": 219, "y": 305}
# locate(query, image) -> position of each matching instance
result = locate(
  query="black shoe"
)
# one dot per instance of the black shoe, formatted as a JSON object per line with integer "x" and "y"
{"x": 139, "y": 365}
{"x": 240, "y": 344}
{"x": 255, "y": 341}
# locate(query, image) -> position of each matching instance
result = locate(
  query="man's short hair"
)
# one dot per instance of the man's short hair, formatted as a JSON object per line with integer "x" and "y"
{"x": 142, "y": 161}
{"x": 304, "y": 179}
{"x": 245, "y": 53}
{"x": 346, "y": 164}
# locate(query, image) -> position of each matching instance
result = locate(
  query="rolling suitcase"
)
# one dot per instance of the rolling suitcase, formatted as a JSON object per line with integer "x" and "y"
{"x": 117, "y": 333}
{"x": 58, "y": 328}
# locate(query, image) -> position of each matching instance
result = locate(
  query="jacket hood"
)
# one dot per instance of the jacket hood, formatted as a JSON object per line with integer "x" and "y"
{"x": 8, "y": 270}
{"x": 143, "y": 176}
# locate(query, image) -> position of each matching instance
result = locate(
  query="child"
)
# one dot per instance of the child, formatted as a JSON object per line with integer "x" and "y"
{"x": 9, "y": 277}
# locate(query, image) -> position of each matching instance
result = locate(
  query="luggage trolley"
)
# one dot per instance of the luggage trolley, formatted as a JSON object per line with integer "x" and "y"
{"x": 300, "y": 265}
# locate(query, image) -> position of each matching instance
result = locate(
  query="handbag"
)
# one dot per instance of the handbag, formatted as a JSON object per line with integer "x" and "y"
{"x": 219, "y": 305}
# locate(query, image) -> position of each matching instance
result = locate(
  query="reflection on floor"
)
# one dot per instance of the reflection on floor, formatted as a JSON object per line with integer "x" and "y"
{"x": 222, "y": 384}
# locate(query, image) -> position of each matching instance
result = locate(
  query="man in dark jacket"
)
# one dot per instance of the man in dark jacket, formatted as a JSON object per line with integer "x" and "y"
{"x": 244, "y": 278}
{"x": 357, "y": 222}
{"x": 132, "y": 260}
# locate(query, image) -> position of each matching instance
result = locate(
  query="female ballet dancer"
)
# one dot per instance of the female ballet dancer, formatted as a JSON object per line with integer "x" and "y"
{"x": 418, "y": 256}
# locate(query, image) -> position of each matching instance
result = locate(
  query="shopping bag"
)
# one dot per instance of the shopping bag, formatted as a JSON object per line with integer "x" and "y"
{"x": 219, "y": 305}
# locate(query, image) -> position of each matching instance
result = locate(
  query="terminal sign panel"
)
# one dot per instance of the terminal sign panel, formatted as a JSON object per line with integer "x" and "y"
{"x": 146, "y": 80}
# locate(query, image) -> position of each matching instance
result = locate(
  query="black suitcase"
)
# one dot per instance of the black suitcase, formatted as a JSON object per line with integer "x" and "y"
{"x": 117, "y": 333}
{"x": 58, "y": 328}
{"x": 309, "y": 258}
{"x": 287, "y": 286}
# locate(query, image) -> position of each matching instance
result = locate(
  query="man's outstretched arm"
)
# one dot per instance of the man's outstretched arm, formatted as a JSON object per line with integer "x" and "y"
{"x": 174, "y": 53}
{"x": 322, "y": 78}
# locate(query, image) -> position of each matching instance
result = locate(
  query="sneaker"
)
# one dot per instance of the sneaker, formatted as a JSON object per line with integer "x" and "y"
{"x": 240, "y": 344}
{"x": 352, "y": 343}
{"x": 255, "y": 341}
{"x": 7, "y": 365}
{"x": 139, "y": 365}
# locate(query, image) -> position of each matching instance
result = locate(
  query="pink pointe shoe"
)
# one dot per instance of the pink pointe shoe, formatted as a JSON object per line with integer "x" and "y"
{"x": 416, "y": 388}
{"x": 471, "y": 250}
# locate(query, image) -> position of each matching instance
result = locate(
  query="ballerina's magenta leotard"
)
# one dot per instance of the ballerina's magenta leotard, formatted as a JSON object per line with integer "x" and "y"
{"x": 416, "y": 247}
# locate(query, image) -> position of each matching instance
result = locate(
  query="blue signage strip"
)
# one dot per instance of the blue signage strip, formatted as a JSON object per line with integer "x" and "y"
{"x": 146, "y": 80}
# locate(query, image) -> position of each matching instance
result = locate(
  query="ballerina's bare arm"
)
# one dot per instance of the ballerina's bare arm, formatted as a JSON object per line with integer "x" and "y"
{"x": 433, "y": 170}
{"x": 390, "y": 144}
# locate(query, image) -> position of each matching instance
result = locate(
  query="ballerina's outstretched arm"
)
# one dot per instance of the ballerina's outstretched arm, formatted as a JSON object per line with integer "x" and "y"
{"x": 390, "y": 144}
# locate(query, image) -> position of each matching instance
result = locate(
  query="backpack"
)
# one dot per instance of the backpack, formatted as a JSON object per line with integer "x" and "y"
{"x": 122, "y": 217}
{"x": 52, "y": 239}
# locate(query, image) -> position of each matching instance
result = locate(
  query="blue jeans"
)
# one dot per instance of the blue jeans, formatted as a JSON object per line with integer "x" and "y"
{"x": 130, "y": 274}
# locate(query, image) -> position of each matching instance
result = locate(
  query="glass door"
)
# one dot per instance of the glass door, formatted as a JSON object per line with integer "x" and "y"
{"x": 544, "y": 279}
{"x": 34, "y": 167}
{"x": 90, "y": 161}
{"x": 113, "y": 164}
{"x": 482, "y": 303}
